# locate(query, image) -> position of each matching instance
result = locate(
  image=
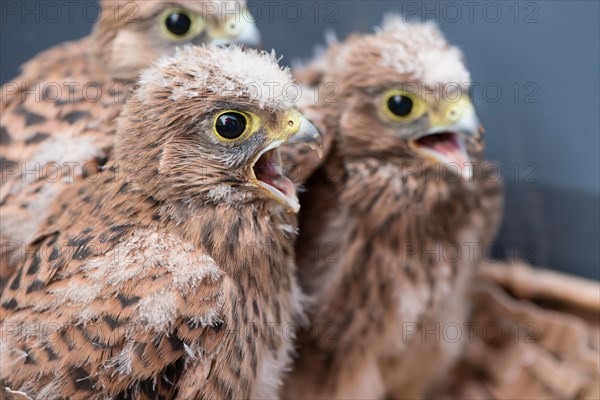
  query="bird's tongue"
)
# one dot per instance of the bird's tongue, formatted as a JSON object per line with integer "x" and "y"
{"x": 268, "y": 170}
{"x": 447, "y": 145}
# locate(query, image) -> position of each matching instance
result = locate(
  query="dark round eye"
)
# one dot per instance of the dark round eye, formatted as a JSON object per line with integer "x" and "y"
{"x": 178, "y": 23}
{"x": 231, "y": 125}
{"x": 400, "y": 105}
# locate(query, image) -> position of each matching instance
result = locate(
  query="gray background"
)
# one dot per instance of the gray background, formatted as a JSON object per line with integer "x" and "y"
{"x": 545, "y": 134}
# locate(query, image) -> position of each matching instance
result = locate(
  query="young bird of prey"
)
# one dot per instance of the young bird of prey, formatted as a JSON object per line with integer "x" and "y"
{"x": 58, "y": 115}
{"x": 393, "y": 222}
{"x": 172, "y": 272}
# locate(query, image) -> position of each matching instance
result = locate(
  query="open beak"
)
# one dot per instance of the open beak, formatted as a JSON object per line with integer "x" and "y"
{"x": 446, "y": 141}
{"x": 267, "y": 170}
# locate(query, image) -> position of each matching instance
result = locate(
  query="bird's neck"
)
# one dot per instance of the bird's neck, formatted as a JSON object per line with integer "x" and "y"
{"x": 402, "y": 200}
{"x": 242, "y": 240}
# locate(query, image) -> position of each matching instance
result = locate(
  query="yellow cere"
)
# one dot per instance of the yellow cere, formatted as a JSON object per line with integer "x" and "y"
{"x": 229, "y": 28}
{"x": 450, "y": 112}
{"x": 290, "y": 125}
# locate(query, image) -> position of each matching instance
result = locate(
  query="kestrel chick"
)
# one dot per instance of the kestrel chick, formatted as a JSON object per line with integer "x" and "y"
{"x": 172, "y": 273}
{"x": 58, "y": 115}
{"x": 393, "y": 222}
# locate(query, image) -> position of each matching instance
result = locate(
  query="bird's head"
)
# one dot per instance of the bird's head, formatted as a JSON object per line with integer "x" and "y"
{"x": 403, "y": 95}
{"x": 205, "y": 126}
{"x": 129, "y": 35}
{"x": 436, "y": 131}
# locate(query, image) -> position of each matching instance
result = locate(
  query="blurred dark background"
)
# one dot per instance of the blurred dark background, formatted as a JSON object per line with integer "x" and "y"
{"x": 536, "y": 68}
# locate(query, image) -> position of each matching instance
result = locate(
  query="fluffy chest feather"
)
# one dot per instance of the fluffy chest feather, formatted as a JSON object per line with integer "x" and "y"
{"x": 404, "y": 246}
{"x": 120, "y": 275}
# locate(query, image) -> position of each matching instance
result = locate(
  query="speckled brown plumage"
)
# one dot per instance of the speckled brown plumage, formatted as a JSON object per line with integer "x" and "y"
{"x": 171, "y": 274}
{"x": 376, "y": 217}
{"x": 58, "y": 114}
